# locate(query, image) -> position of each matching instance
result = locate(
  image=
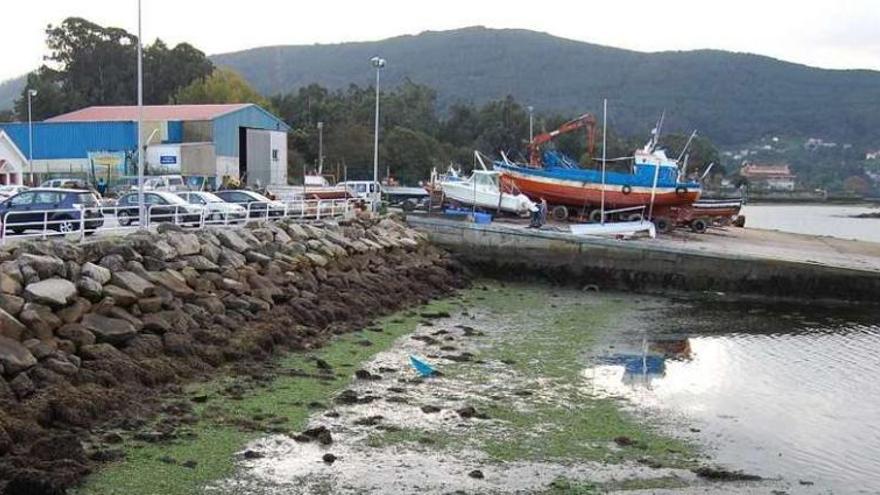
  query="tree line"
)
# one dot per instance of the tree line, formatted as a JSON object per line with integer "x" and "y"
{"x": 89, "y": 64}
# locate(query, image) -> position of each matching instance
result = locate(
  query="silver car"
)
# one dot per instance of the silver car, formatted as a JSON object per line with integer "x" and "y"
{"x": 216, "y": 210}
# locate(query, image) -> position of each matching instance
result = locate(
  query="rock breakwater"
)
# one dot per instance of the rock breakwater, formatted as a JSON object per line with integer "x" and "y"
{"x": 92, "y": 333}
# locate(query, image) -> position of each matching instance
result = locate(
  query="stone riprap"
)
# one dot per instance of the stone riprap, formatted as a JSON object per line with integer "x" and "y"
{"x": 91, "y": 332}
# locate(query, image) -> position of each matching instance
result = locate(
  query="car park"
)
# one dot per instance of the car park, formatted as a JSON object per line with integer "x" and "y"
{"x": 216, "y": 209}
{"x": 255, "y": 203}
{"x": 64, "y": 210}
{"x": 161, "y": 206}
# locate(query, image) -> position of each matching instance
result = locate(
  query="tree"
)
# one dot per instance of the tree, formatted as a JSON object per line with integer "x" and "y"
{"x": 89, "y": 64}
{"x": 222, "y": 86}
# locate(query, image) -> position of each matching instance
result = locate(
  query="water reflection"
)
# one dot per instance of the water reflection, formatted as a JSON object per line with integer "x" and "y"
{"x": 802, "y": 403}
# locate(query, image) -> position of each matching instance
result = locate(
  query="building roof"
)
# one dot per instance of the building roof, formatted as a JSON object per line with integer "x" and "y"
{"x": 754, "y": 170}
{"x": 152, "y": 113}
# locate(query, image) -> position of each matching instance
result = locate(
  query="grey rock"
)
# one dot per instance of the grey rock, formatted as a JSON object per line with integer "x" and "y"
{"x": 122, "y": 314}
{"x": 39, "y": 320}
{"x": 38, "y": 348}
{"x": 103, "y": 352}
{"x": 150, "y": 304}
{"x": 172, "y": 281}
{"x": 9, "y": 285}
{"x": 109, "y": 330}
{"x": 77, "y": 334}
{"x": 74, "y": 312}
{"x": 231, "y": 259}
{"x": 15, "y": 357}
{"x": 22, "y": 386}
{"x": 154, "y": 323}
{"x": 72, "y": 270}
{"x": 201, "y": 263}
{"x": 185, "y": 244}
{"x": 121, "y": 296}
{"x": 61, "y": 367}
{"x": 134, "y": 283}
{"x": 54, "y": 292}
{"x": 90, "y": 289}
{"x": 229, "y": 238}
{"x": 113, "y": 262}
{"x": 97, "y": 273}
{"x": 11, "y": 304}
{"x": 45, "y": 266}
{"x": 210, "y": 251}
{"x": 10, "y": 326}
{"x": 256, "y": 257}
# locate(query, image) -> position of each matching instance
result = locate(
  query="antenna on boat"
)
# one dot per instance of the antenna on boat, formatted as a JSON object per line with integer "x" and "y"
{"x": 687, "y": 145}
{"x": 708, "y": 169}
{"x": 655, "y": 134}
{"x": 480, "y": 160}
{"x": 506, "y": 161}
{"x": 604, "y": 142}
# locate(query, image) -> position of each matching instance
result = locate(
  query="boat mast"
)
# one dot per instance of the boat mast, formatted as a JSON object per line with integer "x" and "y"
{"x": 604, "y": 143}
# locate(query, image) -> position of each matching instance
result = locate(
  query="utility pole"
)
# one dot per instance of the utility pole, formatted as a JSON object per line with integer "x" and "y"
{"x": 31, "y": 94}
{"x": 140, "y": 130}
{"x": 320, "y": 148}
{"x": 379, "y": 64}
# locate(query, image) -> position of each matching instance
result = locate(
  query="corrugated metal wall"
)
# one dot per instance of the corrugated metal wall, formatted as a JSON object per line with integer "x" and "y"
{"x": 252, "y": 117}
{"x": 60, "y": 140}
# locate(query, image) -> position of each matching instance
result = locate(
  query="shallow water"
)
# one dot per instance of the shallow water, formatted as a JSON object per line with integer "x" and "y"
{"x": 816, "y": 219}
{"x": 775, "y": 393}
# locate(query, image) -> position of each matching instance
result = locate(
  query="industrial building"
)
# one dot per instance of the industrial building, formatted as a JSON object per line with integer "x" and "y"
{"x": 205, "y": 142}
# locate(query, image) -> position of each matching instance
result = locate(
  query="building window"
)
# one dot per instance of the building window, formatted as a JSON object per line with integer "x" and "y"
{"x": 274, "y": 155}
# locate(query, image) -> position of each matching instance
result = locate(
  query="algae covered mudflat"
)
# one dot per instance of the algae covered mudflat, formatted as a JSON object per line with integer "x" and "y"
{"x": 512, "y": 410}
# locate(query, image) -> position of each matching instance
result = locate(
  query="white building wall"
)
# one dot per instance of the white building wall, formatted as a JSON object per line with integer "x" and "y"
{"x": 278, "y": 144}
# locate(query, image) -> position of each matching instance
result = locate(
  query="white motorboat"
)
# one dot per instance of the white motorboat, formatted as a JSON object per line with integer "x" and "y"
{"x": 483, "y": 190}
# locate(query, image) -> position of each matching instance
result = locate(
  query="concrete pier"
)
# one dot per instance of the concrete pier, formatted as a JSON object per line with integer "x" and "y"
{"x": 740, "y": 261}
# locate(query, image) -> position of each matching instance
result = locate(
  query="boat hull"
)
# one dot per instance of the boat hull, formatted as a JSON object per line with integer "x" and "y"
{"x": 580, "y": 194}
{"x": 489, "y": 200}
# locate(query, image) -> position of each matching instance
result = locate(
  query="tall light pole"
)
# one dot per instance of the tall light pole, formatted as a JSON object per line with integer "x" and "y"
{"x": 141, "y": 151}
{"x": 31, "y": 94}
{"x": 320, "y": 148}
{"x": 379, "y": 64}
{"x": 531, "y": 124}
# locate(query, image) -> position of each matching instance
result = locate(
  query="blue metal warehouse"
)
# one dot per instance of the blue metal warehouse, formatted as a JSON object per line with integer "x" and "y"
{"x": 208, "y": 141}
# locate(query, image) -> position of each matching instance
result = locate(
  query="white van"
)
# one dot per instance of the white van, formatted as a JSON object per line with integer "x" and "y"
{"x": 364, "y": 189}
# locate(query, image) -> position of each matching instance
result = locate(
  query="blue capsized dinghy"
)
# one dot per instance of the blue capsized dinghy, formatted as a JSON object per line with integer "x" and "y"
{"x": 422, "y": 367}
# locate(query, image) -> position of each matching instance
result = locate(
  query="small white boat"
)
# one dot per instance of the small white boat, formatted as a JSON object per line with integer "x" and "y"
{"x": 482, "y": 189}
{"x": 625, "y": 229}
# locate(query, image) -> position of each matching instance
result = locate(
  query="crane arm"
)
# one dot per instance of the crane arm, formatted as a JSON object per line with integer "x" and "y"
{"x": 584, "y": 121}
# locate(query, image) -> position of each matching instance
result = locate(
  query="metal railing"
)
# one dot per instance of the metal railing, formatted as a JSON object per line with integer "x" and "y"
{"x": 73, "y": 222}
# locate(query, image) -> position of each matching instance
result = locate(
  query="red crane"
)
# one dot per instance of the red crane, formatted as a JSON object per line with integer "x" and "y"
{"x": 584, "y": 121}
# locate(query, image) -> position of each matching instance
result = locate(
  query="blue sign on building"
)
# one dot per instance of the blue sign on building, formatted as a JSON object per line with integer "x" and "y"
{"x": 168, "y": 160}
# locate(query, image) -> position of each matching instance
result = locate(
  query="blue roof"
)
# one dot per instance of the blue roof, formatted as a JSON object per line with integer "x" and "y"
{"x": 67, "y": 140}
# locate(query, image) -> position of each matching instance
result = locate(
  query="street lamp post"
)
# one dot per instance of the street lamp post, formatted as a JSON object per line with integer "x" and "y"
{"x": 379, "y": 64}
{"x": 320, "y": 148}
{"x": 140, "y": 96}
{"x": 531, "y": 123}
{"x": 31, "y": 94}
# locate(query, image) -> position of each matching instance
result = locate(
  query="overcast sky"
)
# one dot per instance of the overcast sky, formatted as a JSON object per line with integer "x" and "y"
{"x": 834, "y": 34}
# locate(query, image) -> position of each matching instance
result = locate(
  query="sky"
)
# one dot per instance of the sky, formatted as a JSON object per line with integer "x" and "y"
{"x": 840, "y": 34}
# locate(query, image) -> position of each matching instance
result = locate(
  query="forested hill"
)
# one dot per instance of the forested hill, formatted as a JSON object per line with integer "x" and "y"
{"x": 730, "y": 97}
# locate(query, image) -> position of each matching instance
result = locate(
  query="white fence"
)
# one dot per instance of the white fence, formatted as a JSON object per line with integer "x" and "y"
{"x": 77, "y": 223}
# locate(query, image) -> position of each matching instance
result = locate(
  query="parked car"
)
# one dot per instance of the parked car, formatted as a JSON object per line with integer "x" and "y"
{"x": 216, "y": 209}
{"x": 9, "y": 191}
{"x": 161, "y": 207}
{"x": 64, "y": 183}
{"x": 57, "y": 209}
{"x": 257, "y": 203}
{"x": 171, "y": 183}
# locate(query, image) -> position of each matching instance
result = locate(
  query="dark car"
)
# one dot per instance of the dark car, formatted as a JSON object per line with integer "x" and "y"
{"x": 56, "y": 209}
{"x": 255, "y": 202}
{"x": 161, "y": 206}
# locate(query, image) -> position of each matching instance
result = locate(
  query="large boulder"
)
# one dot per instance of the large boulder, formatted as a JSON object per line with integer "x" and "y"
{"x": 9, "y": 285}
{"x": 74, "y": 312}
{"x": 231, "y": 259}
{"x": 15, "y": 357}
{"x": 77, "y": 334}
{"x": 185, "y": 244}
{"x": 120, "y": 296}
{"x": 97, "y": 273}
{"x": 108, "y": 330}
{"x": 229, "y": 238}
{"x": 10, "y": 326}
{"x": 39, "y": 320}
{"x": 133, "y": 282}
{"x": 173, "y": 281}
{"x": 201, "y": 263}
{"x": 53, "y": 292}
{"x": 45, "y": 266}
{"x": 11, "y": 304}
{"x": 90, "y": 289}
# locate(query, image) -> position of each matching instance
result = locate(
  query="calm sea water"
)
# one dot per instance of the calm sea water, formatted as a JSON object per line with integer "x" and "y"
{"x": 781, "y": 393}
{"x": 831, "y": 220}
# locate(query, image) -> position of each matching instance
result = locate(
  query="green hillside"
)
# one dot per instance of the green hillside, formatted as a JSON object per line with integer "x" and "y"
{"x": 730, "y": 97}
